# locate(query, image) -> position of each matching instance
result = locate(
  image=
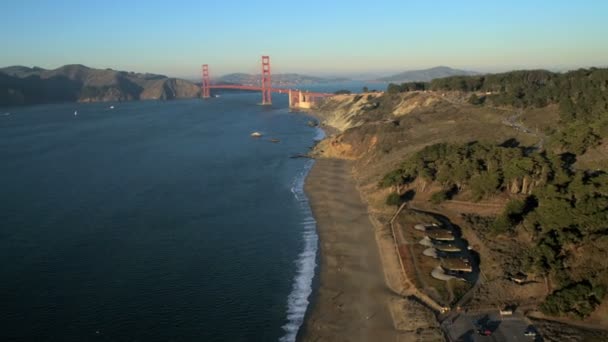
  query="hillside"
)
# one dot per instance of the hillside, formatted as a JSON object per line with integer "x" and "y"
{"x": 22, "y": 85}
{"x": 426, "y": 75}
{"x": 516, "y": 160}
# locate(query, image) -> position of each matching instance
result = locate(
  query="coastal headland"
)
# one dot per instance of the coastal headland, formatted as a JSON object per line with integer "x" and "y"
{"x": 416, "y": 147}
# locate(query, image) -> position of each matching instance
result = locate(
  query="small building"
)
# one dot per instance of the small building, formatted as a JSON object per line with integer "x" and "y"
{"x": 440, "y": 234}
{"x": 456, "y": 264}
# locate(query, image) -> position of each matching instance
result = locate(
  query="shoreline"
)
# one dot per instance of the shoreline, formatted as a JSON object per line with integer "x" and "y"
{"x": 351, "y": 299}
{"x": 359, "y": 290}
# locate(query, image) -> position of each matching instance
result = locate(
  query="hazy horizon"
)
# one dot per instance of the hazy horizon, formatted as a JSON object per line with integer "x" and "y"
{"x": 333, "y": 40}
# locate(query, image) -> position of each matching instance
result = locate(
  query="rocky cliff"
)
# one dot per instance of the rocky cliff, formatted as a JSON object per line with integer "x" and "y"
{"x": 379, "y": 131}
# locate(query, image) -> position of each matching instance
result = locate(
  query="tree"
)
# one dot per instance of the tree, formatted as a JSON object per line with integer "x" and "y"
{"x": 342, "y": 92}
{"x": 476, "y": 100}
{"x": 439, "y": 196}
{"x": 394, "y": 199}
{"x": 393, "y": 88}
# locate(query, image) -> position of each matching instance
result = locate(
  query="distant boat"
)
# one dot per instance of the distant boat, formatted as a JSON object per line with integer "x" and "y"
{"x": 75, "y": 112}
{"x": 256, "y": 134}
{"x": 274, "y": 140}
{"x": 216, "y": 95}
{"x": 111, "y": 107}
{"x": 7, "y": 114}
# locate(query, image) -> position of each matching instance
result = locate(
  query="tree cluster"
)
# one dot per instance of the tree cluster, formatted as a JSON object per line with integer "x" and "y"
{"x": 405, "y": 87}
{"x": 484, "y": 168}
{"x": 566, "y": 210}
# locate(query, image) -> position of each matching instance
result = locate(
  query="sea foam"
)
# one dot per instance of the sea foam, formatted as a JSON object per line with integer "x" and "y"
{"x": 297, "y": 301}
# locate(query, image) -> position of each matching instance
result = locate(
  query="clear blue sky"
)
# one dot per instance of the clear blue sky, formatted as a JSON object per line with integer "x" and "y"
{"x": 320, "y": 37}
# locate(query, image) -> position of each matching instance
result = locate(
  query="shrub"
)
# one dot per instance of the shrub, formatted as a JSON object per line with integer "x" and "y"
{"x": 394, "y": 199}
{"x": 485, "y": 184}
{"x": 439, "y": 196}
{"x": 342, "y": 92}
{"x": 579, "y": 300}
{"x": 476, "y": 100}
{"x": 500, "y": 225}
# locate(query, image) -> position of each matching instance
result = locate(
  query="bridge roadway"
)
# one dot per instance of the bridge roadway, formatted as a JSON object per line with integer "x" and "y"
{"x": 274, "y": 90}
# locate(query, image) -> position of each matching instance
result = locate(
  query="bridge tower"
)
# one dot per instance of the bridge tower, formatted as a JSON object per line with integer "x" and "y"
{"x": 266, "y": 81}
{"x": 205, "y": 93}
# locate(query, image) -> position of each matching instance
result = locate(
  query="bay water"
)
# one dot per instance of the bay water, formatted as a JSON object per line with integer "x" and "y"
{"x": 155, "y": 221}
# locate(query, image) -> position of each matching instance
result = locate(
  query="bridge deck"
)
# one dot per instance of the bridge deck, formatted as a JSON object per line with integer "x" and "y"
{"x": 274, "y": 90}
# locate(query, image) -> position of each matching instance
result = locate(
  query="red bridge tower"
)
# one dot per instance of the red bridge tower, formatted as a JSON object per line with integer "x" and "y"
{"x": 266, "y": 81}
{"x": 206, "y": 84}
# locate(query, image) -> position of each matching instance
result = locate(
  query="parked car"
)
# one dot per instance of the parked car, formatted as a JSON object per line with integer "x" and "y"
{"x": 530, "y": 331}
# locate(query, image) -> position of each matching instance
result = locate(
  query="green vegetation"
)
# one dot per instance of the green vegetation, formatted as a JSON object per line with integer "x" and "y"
{"x": 439, "y": 196}
{"x": 405, "y": 87}
{"x": 511, "y": 217}
{"x": 342, "y": 92}
{"x": 394, "y": 199}
{"x": 582, "y": 97}
{"x": 485, "y": 168}
{"x": 476, "y": 100}
{"x": 565, "y": 210}
{"x": 578, "y": 299}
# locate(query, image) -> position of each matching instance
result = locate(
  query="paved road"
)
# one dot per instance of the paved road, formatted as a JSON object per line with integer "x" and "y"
{"x": 504, "y": 328}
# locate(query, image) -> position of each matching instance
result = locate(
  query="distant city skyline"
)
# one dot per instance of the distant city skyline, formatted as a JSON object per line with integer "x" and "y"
{"x": 316, "y": 37}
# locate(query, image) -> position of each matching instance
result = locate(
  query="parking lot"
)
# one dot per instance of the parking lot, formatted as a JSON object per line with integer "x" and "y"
{"x": 511, "y": 328}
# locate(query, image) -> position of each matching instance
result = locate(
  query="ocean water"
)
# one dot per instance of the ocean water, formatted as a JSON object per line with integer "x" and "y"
{"x": 155, "y": 221}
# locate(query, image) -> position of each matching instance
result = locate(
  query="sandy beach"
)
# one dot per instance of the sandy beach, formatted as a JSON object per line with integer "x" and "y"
{"x": 351, "y": 303}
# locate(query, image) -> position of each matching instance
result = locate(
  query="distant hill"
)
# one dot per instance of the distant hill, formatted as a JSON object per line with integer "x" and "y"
{"x": 427, "y": 75}
{"x": 277, "y": 79}
{"x": 23, "y": 85}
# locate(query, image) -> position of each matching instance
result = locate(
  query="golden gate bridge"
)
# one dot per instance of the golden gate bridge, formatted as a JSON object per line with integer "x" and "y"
{"x": 297, "y": 98}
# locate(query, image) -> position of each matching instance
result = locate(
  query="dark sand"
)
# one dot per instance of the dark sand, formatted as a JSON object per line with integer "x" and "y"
{"x": 352, "y": 302}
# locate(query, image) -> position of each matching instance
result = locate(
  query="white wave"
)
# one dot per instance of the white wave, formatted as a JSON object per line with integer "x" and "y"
{"x": 297, "y": 301}
{"x": 319, "y": 134}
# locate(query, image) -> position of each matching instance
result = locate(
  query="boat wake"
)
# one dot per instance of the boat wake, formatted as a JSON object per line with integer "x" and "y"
{"x": 297, "y": 301}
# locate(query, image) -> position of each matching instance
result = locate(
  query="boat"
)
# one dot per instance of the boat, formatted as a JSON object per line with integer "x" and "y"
{"x": 216, "y": 95}
{"x": 111, "y": 107}
{"x": 274, "y": 140}
{"x": 256, "y": 134}
{"x": 75, "y": 112}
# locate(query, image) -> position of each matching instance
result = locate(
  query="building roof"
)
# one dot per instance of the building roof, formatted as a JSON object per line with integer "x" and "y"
{"x": 440, "y": 234}
{"x": 447, "y": 247}
{"x": 456, "y": 264}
